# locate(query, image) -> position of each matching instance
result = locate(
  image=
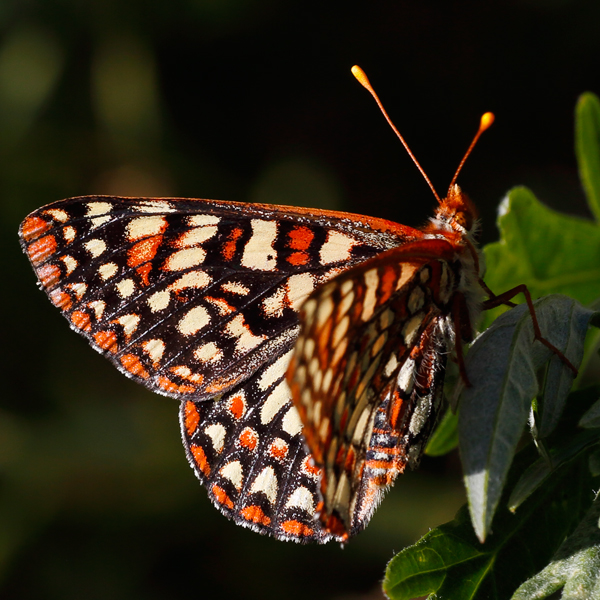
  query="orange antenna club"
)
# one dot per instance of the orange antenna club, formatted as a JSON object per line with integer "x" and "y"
{"x": 486, "y": 120}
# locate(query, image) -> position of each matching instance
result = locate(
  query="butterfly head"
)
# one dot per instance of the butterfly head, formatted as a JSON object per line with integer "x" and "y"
{"x": 456, "y": 212}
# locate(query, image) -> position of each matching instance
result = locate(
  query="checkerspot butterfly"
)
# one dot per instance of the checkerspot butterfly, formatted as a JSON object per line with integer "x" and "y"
{"x": 307, "y": 347}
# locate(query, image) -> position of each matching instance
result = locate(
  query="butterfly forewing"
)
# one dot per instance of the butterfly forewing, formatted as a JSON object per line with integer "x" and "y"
{"x": 366, "y": 371}
{"x": 188, "y": 297}
{"x": 198, "y": 300}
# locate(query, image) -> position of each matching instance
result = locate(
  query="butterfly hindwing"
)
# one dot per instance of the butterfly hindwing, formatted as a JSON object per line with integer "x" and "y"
{"x": 247, "y": 448}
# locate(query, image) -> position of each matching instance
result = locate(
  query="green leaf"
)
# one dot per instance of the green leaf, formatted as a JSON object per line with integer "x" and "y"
{"x": 592, "y": 417}
{"x": 548, "y": 251}
{"x": 541, "y": 469}
{"x": 587, "y": 147}
{"x": 502, "y": 366}
{"x": 450, "y": 563}
{"x": 558, "y": 380}
{"x": 445, "y": 436}
{"x": 576, "y": 565}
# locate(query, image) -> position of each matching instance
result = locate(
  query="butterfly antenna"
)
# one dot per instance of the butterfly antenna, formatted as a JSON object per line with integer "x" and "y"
{"x": 486, "y": 120}
{"x": 363, "y": 80}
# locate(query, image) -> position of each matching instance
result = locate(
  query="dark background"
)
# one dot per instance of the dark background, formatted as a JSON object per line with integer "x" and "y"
{"x": 239, "y": 100}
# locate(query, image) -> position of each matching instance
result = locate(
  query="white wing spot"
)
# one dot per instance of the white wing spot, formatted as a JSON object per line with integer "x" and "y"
{"x": 411, "y": 328}
{"x": 107, "y": 270}
{"x": 276, "y": 400}
{"x": 193, "y": 279}
{"x": 336, "y": 248}
{"x": 324, "y": 309}
{"x": 154, "y": 206}
{"x": 202, "y": 220}
{"x": 154, "y": 348}
{"x": 371, "y": 281}
{"x": 291, "y": 422}
{"x": 69, "y": 233}
{"x": 98, "y": 208}
{"x": 185, "y": 259}
{"x": 298, "y": 288}
{"x": 235, "y": 288}
{"x": 196, "y": 236}
{"x": 70, "y": 263}
{"x": 216, "y": 432}
{"x": 246, "y": 340}
{"x": 406, "y": 376}
{"x": 79, "y": 289}
{"x": 208, "y": 353}
{"x": 266, "y": 482}
{"x": 125, "y": 287}
{"x": 301, "y": 498}
{"x": 159, "y": 300}
{"x": 97, "y": 221}
{"x": 194, "y": 320}
{"x": 129, "y": 323}
{"x": 98, "y": 307}
{"x": 274, "y": 305}
{"x": 275, "y": 371}
{"x": 58, "y": 214}
{"x": 390, "y": 366}
{"x": 258, "y": 251}
{"x": 95, "y": 247}
{"x": 142, "y": 227}
{"x": 233, "y": 472}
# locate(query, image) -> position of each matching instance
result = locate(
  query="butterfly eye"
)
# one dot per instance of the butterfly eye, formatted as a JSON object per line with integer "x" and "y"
{"x": 464, "y": 219}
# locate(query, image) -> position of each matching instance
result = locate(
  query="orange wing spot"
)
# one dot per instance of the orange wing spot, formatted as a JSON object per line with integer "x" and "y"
{"x": 298, "y": 258}
{"x": 340, "y": 458}
{"x": 42, "y": 249}
{"x": 200, "y": 459}
{"x": 81, "y": 320}
{"x": 300, "y": 238}
{"x": 222, "y": 306}
{"x": 33, "y": 227}
{"x": 143, "y": 272}
{"x": 278, "y": 449}
{"x": 387, "y": 283}
{"x": 186, "y": 373}
{"x": 255, "y": 514}
{"x": 221, "y": 384}
{"x": 230, "y": 246}
{"x": 106, "y": 340}
{"x": 169, "y": 386}
{"x": 248, "y": 438}
{"x": 61, "y": 299}
{"x": 296, "y": 528}
{"x": 394, "y": 409}
{"x": 350, "y": 460}
{"x": 132, "y": 364}
{"x": 192, "y": 417}
{"x": 344, "y": 419}
{"x": 48, "y": 275}
{"x": 336, "y": 526}
{"x": 237, "y": 406}
{"x": 221, "y": 496}
{"x": 310, "y": 468}
{"x": 143, "y": 251}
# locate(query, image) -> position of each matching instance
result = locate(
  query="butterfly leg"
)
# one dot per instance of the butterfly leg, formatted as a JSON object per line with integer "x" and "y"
{"x": 463, "y": 332}
{"x": 505, "y": 298}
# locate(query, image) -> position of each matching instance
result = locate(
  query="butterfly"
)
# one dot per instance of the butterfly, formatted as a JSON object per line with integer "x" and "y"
{"x": 307, "y": 347}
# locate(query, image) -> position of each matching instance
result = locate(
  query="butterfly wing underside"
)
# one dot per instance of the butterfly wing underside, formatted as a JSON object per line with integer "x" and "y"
{"x": 367, "y": 374}
{"x": 198, "y": 300}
